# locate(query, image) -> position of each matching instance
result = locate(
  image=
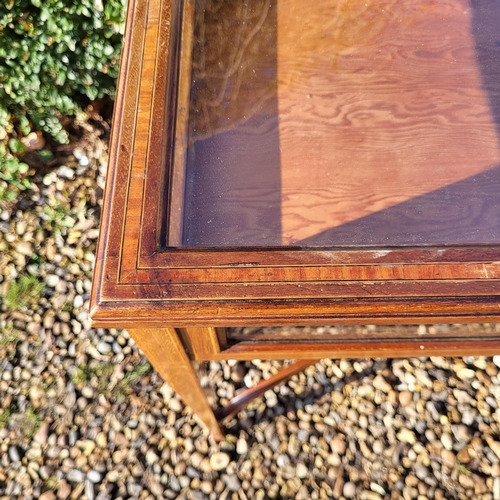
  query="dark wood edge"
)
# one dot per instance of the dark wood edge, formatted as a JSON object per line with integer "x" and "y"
{"x": 252, "y": 257}
{"x": 145, "y": 135}
{"x": 268, "y": 293}
{"x": 120, "y": 154}
{"x": 157, "y": 170}
{"x": 173, "y": 213}
{"x": 362, "y": 349}
{"x": 316, "y": 274}
{"x": 297, "y": 312}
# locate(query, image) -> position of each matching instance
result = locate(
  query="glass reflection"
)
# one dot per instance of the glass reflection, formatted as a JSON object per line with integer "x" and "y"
{"x": 344, "y": 122}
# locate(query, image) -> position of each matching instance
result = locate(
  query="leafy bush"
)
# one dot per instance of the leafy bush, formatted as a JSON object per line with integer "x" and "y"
{"x": 53, "y": 54}
{"x": 13, "y": 172}
{"x": 13, "y": 175}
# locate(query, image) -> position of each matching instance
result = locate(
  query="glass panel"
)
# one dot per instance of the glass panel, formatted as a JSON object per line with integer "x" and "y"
{"x": 340, "y": 122}
{"x": 363, "y": 332}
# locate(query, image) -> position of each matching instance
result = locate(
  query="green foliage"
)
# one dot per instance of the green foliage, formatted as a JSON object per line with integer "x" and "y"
{"x": 53, "y": 53}
{"x": 5, "y": 417}
{"x": 463, "y": 469}
{"x": 8, "y": 335}
{"x": 24, "y": 291}
{"x": 36, "y": 260}
{"x": 13, "y": 172}
{"x": 123, "y": 388}
{"x": 82, "y": 375}
{"x": 135, "y": 374}
{"x": 99, "y": 376}
{"x": 27, "y": 423}
{"x": 33, "y": 422}
{"x": 56, "y": 218}
{"x": 9, "y": 338}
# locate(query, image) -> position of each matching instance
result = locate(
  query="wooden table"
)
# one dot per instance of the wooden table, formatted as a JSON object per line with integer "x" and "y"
{"x": 274, "y": 163}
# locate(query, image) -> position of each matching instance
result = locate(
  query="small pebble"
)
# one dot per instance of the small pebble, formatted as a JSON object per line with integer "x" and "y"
{"x": 349, "y": 490}
{"x": 94, "y": 476}
{"x": 75, "y": 476}
{"x": 14, "y": 453}
{"x": 47, "y": 495}
{"x": 219, "y": 461}
{"x": 65, "y": 172}
{"x": 241, "y": 446}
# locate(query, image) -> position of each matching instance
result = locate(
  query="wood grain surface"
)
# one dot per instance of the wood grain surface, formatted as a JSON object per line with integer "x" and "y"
{"x": 382, "y": 127}
{"x": 177, "y": 191}
{"x": 165, "y": 351}
{"x": 362, "y": 349}
{"x": 381, "y": 102}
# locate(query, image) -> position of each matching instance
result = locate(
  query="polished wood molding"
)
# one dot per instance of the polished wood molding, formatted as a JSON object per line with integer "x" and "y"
{"x": 139, "y": 281}
{"x": 362, "y": 349}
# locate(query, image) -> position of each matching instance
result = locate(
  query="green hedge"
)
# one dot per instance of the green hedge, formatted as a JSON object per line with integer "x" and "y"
{"x": 53, "y": 54}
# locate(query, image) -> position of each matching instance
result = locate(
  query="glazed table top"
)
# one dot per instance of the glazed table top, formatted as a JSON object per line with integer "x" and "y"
{"x": 350, "y": 123}
{"x": 274, "y": 163}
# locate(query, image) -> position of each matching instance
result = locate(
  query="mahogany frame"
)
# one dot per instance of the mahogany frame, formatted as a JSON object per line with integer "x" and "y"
{"x": 185, "y": 293}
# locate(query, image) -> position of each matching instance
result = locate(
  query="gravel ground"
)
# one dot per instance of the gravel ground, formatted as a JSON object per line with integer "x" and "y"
{"x": 83, "y": 415}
